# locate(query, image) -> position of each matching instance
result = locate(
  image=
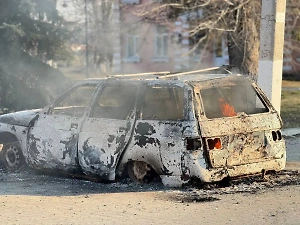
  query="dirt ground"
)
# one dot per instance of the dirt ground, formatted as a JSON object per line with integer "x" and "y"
{"x": 31, "y": 198}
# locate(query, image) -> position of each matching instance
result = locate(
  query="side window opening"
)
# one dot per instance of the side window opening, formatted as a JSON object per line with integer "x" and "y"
{"x": 76, "y": 103}
{"x": 163, "y": 103}
{"x": 115, "y": 102}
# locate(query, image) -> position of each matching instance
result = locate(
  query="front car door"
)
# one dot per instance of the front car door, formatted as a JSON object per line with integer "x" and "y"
{"x": 107, "y": 131}
{"x": 52, "y": 141}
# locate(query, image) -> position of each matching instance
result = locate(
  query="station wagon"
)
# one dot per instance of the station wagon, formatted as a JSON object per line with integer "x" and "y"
{"x": 180, "y": 127}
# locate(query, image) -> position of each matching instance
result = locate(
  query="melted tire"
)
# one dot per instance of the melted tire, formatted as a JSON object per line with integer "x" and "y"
{"x": 12, "y": 157}
{"x": 140, "y": 172}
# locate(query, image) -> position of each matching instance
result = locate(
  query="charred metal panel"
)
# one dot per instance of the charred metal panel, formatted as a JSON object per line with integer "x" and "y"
{"x": 235, "y": 125}
{"x": 241, "y": 149}
{"x": 21, "y": 118}
{"x": 101, "y": 143}
{"x": 52, "y": 142}
{"x": 196, "y": 165}
{"x": 161, "y": 144}
{"x": 143, "y": 135}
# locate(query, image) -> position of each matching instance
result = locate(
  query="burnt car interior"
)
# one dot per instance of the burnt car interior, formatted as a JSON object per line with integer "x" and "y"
{"x": 75, "y": 103}
{"x": 159, "y": 103}
{"x": 235, "y": 98}
{"x": 115, "y": 102}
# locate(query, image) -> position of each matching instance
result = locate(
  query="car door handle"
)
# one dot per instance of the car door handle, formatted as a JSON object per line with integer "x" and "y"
{"x": 74, "y": 126}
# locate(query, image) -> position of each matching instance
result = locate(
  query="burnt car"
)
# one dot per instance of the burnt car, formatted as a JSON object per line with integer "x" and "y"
{"x": 178, "y": 126}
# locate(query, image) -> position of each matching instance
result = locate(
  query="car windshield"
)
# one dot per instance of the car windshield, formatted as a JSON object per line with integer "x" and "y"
{"x": 231, "y": 98}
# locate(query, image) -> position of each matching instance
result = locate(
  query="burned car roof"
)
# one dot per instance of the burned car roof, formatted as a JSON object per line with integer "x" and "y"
{"x": 175, "y": 79}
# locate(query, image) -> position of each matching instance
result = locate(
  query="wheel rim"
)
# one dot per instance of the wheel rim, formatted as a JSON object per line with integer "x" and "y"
{"x": 12, "y": 157}
{"x": 140, "y": 170}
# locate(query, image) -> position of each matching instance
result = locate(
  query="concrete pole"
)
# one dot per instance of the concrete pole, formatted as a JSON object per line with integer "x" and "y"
{"x": 271, "y": 49}
{"x": 116, "y": 22}
{"x": 87, "y": 64}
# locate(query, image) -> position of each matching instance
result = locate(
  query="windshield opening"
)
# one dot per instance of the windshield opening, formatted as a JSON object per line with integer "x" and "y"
{"x": 231, "y": 99}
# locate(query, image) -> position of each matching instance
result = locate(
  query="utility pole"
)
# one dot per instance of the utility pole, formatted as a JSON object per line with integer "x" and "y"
{"x": 271, "y": 49}
{"x": 86, "y": 42}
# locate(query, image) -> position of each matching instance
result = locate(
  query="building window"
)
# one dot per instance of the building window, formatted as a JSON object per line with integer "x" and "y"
{"x": 161, "y": 42}
{"x": 131, "y": 1}
{"x": 132, "y": 47}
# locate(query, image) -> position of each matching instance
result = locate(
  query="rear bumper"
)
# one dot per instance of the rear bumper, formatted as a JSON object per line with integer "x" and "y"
{"x": 196, "y": 167}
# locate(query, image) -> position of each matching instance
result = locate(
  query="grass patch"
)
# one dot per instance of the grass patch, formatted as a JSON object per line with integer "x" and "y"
{"x": 290, "y": 83}
{"x": 290, "y": 108}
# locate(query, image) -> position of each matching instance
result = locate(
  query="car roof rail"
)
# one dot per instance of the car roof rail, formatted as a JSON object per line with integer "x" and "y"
{"x": 139, "y": 74}
{"x": 193, "y": 72}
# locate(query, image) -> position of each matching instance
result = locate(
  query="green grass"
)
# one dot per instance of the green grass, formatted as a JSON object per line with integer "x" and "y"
{"x": 290, "y": 108}
{"x": 290, "y": 83}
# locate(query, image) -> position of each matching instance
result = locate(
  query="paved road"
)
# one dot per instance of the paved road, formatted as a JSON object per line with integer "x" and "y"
{"x": 292, "y": 140}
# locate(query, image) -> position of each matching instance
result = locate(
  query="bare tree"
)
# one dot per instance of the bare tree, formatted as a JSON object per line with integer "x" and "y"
{"x": 100, "y": 29}
{"x": 238, "y": 20}
{"x": 292, "y": 32}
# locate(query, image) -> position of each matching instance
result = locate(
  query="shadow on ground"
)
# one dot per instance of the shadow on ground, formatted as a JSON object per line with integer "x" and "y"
{"x": 36, "y": 184}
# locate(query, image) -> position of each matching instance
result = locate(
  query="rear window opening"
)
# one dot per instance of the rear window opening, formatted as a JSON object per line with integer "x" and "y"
{"x": 231, "y": 99}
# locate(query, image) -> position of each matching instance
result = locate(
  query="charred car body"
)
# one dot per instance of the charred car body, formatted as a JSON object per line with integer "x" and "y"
{"x": 201, "y": 126}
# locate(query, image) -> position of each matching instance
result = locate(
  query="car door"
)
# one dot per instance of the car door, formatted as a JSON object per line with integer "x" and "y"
{"x": 107, "y": 131}
{"x": 52, "y": 141}
{"x": 160, "y": 127}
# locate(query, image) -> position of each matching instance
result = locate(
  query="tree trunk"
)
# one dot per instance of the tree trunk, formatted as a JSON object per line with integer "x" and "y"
{"x": 243, "y": 43}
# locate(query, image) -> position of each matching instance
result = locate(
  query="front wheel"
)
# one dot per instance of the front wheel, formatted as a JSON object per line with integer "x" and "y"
{"x": 140, "y": 172}
{"x": 12, "y": 157}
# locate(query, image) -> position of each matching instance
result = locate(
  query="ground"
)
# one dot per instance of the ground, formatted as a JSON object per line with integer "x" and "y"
{"x": 30, "y": 198}
{"x": 33, "y": 198}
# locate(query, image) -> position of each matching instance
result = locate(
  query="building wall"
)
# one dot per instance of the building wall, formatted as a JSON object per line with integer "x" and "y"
{"x": 180, "y": 57}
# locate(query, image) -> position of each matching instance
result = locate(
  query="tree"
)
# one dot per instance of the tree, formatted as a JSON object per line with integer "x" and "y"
{"x": 210, "y": 20}
{"x": 292, "y": 34}
{"x": 100, "y": 29}
{"x": 31, "y": 33}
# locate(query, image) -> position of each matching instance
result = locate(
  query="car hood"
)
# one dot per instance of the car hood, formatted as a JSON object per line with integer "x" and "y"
{"x": 21, "y": 118}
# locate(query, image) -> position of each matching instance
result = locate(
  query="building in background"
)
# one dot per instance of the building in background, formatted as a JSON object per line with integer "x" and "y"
{"x": 135, "y": 43}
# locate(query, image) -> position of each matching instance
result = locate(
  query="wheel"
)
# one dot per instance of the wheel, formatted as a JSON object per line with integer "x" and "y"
{"x": 12, "y": 156}
{"x": 140, "y": 172}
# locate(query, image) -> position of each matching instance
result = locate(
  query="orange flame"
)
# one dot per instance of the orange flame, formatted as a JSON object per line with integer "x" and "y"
{"x": 218, "y": 143}
{"x": 227, "y": 110}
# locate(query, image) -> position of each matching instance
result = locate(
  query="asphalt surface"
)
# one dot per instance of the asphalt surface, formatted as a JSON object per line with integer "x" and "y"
{"x": 292, "y": 140}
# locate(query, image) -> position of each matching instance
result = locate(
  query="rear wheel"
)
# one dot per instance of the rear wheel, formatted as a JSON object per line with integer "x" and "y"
{"x": 12, "y": 156}
{"x": 140, "y": 172}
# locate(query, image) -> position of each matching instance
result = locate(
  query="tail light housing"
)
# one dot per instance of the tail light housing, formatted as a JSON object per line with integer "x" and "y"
{"x": 193, "y": 144}
{"x": 276, "y": 135}
{"x": 214, "y": 143}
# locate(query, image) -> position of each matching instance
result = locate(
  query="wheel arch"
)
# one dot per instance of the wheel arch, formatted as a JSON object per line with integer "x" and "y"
{"x": 6, "y": 137}
{"x": 12, "y": 158}
{"x": 129, "y": 157}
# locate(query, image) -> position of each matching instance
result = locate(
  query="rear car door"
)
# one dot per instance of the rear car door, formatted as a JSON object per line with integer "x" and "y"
{"x": 239, "y": 126}
{"x": 53, "y": 139}
{"x": 161, "y": 126}
{"x": 107, "y": 131}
